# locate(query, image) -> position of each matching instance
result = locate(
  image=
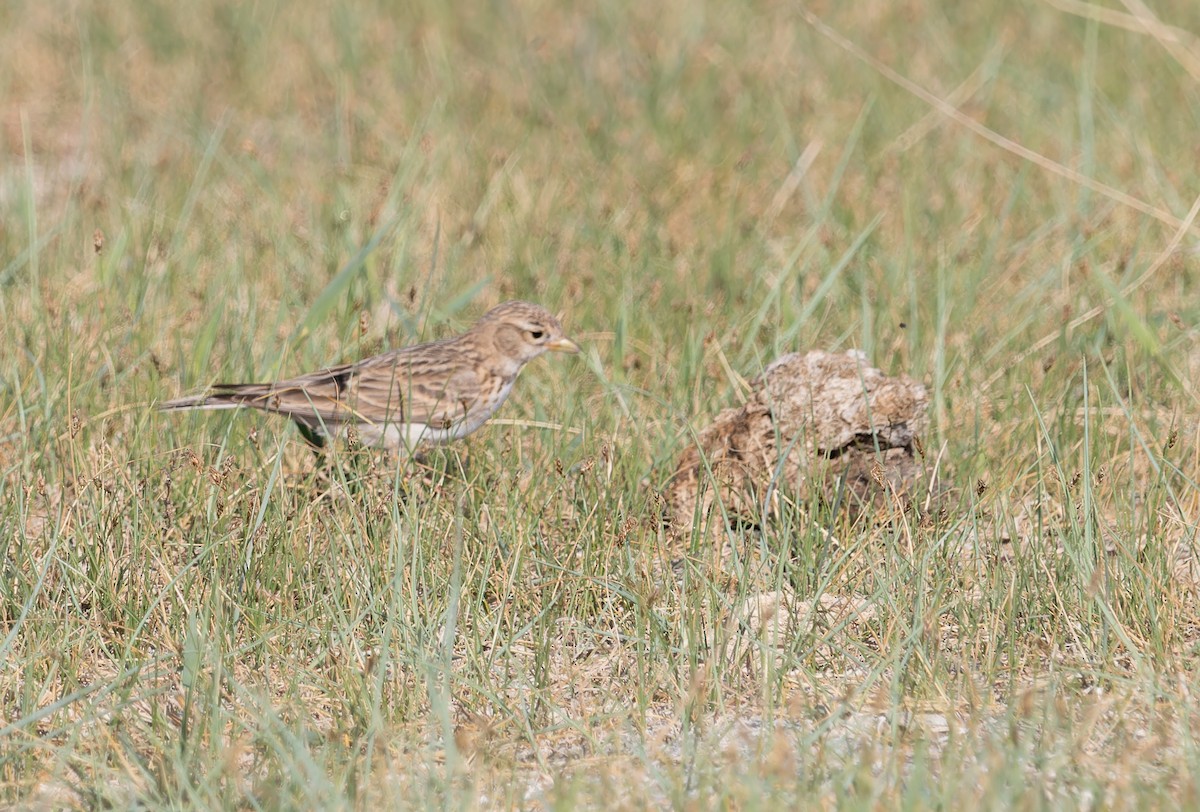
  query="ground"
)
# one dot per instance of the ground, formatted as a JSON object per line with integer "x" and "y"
{"x": 995, "y": 199}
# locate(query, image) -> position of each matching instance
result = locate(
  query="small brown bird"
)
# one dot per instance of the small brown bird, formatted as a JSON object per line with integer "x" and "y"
{"x": 428, "y": 393}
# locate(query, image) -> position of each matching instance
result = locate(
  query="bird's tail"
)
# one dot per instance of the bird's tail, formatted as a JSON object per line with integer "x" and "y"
{"x": 223, "y": 396}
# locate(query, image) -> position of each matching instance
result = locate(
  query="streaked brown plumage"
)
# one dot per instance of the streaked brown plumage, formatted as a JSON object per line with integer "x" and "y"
{"x": 427, "y": 393}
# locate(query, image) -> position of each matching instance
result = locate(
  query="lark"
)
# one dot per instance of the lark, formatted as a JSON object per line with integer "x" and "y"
{"x": 421, "y": 395}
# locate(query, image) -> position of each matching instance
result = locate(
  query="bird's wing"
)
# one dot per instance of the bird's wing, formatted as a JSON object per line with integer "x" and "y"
{"x": 427, "y": 384}
{"x": 435, "y": 388}
{"x": 313, "y": 399}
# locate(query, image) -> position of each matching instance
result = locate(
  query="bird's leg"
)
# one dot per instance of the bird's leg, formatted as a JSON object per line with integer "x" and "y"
{"x": 329, "y": 461}
{"x": 323, "y": 454}
{"x": 358, "y": 470}
{"x": 315, "y": 441}
{"x": 463, "y": 461}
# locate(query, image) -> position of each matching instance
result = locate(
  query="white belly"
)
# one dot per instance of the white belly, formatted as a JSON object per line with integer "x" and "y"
{"x": 407, "y": 436}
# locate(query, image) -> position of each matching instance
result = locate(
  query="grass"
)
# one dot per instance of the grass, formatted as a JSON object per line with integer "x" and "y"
{"x": 198, "y": 614}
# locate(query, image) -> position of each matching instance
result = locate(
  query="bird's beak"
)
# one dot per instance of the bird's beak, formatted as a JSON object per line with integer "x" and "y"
{"x": 562, "y": 345}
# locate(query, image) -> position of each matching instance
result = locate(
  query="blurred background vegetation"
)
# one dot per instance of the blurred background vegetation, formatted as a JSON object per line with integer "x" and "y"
{"x": 192, "y": 192}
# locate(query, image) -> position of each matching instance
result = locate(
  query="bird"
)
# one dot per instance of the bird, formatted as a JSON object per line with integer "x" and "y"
{"x": 426, "y": 394}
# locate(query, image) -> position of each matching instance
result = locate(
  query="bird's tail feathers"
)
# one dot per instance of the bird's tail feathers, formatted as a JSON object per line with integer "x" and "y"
{"x": 223, "y": 396}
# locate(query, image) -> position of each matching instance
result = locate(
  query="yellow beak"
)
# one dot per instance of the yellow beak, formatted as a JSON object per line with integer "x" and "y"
{"x": 562, "y": 345}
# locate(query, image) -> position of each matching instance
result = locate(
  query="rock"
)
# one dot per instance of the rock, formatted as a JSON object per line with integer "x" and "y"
{"x": 810, "y": 420}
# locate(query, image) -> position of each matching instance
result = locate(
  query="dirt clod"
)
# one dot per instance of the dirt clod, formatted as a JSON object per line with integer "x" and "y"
{"x": 812, "y": 420}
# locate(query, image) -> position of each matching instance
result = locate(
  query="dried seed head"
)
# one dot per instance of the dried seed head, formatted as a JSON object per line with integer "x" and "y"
{"x": 878, "y": 474}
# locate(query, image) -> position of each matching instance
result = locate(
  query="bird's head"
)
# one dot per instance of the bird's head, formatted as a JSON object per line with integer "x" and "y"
{"x": 521, "y": 331}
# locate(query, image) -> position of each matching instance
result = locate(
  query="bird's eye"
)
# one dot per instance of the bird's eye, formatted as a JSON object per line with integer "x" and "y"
{"x": 536, "y": 335}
